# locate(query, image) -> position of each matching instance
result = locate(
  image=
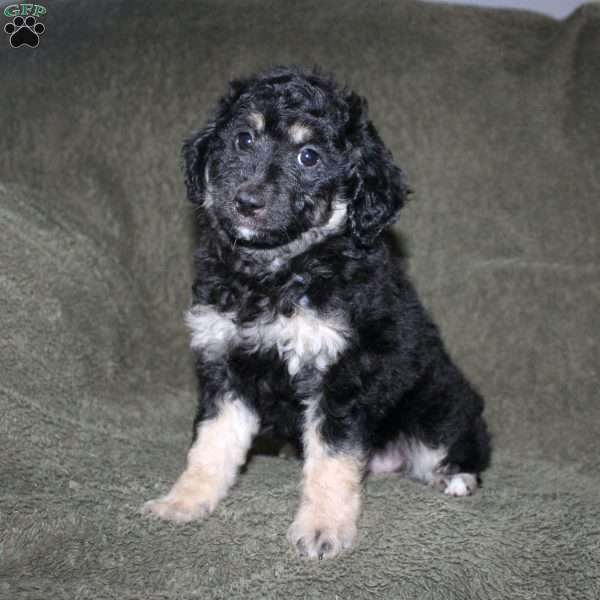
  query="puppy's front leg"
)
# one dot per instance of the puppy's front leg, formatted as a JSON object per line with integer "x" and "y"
{"x": 213, "y": 461}
{"x": 325, "y": 523}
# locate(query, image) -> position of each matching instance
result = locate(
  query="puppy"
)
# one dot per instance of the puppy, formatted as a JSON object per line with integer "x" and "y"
{"x": 303, "y": 321}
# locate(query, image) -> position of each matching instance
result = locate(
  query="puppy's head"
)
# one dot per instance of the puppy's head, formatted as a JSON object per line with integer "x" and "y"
{"x": 287, "y": 153}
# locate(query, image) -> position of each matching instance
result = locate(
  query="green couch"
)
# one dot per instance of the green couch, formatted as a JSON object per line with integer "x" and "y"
{"x": 494, "y": 115}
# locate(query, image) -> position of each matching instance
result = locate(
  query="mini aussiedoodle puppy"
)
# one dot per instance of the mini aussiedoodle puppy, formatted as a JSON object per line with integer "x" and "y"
{"x": 303, "y": 322}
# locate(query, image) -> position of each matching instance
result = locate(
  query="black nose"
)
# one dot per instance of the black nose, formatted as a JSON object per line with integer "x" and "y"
{"x": 248, "y": 203}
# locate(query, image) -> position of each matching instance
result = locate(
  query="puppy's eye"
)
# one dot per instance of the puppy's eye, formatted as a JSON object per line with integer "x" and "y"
{"x": 308, "y": 157}
{"x": 244, "y": 140}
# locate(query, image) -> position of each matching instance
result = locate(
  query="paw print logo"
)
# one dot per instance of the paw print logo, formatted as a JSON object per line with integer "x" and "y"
{"x": 24, "y": 32}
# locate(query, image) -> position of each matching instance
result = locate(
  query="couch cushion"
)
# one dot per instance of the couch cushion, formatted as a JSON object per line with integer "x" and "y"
{"x": 531, "y": 532}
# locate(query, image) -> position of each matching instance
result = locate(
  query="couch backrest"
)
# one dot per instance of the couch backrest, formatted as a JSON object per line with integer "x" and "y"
{"x": 494, "y": 115}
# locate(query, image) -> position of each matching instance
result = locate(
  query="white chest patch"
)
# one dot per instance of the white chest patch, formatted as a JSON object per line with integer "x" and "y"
{"x": 303, "y": 339}
{"x": 212, "y": 331}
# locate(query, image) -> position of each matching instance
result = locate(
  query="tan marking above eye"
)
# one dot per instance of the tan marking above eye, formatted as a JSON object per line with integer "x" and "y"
{"x": 257, "y": 120}
{"x": 299, "y": 134}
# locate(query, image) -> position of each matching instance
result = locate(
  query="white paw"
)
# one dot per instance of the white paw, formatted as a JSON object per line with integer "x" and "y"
{"x": 461, "y": 484}
{"x": 180, "y": 510}
{"x": 314, "y": 537}
{"x": 191, "y": 498}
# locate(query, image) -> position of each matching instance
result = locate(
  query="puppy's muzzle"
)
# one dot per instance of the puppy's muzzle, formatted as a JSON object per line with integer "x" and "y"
{"x": 248, "y": 203}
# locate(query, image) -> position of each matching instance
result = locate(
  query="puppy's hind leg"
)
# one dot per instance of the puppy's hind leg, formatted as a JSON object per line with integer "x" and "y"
{"x": 459, "y": 484}
{"x": 467, "y": 457}
{"x": 431, "y": 466}
{"x": 213, "y": 461}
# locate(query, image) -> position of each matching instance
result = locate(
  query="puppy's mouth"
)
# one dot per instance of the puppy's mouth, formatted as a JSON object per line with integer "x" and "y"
{"x": 247, "y": 231}
{"x": 250, "y": 235}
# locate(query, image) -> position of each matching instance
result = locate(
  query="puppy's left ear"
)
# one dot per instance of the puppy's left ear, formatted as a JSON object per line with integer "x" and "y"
{"x": 376, "y": 187}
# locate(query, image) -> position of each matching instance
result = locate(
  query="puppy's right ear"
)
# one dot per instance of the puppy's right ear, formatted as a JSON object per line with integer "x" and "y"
{"x": 195, "y": 154}
{"x": 196, "y": 148}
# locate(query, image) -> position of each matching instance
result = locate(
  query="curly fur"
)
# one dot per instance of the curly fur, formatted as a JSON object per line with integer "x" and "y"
{"x": 301, "y": 309}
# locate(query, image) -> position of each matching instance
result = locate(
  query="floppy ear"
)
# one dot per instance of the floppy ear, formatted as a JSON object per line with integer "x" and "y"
{"x": 376, "y": 186}
{"x": 196, "y": 147}
{"x": 195, "y": 153}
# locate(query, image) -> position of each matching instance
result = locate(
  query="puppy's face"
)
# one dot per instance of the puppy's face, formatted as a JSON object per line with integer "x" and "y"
{"x": 288, "y": 153}
{"x": 271, "y": 174}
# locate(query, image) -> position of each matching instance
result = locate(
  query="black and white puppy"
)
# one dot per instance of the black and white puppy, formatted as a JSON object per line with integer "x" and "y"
{"x": 304, "y": 323}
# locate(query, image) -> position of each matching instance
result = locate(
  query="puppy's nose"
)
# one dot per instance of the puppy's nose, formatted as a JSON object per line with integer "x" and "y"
{"x": 248, "y": 203}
